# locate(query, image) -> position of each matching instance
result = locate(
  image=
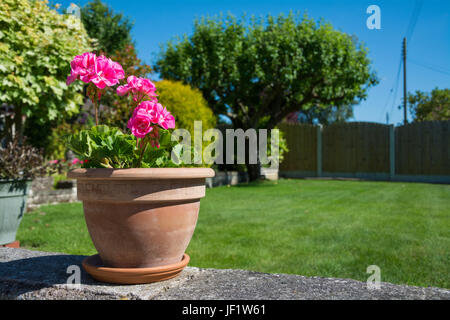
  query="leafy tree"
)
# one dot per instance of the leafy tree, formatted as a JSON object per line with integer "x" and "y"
{"x": 256, "y": 73}
{"x": 430, "y": 106}
{"x": 110, "y": 29}
{"x": 324, "y": 116}
{"x": 36, "y": 47}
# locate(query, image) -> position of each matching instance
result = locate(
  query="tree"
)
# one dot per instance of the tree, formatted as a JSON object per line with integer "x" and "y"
{"x": 425, "y": 106}
{"x": 36, "y": 47}
{"x": 111, "y": 30}
{"x": 324, "y": 116}
{"x": 258, "y": 72}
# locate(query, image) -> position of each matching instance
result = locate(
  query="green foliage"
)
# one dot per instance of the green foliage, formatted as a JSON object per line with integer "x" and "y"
{"x": 186, "y": 105}
{"x": 111, "y": 30}
{"x": 256, "y": 73}
{"x": 108, "y": 147}
{"x": 425, "y": 106}
{"x": 324, "y": 116}
{"x": 282, "y": 147}
{"x": 36, "y": 47}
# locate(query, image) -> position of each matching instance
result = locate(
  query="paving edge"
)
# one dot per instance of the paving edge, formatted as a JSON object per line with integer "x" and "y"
{"x": 26, "y": 274}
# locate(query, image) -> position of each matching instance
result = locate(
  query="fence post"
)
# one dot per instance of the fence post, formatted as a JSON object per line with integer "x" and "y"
{"x": 391, "y": 152}
{"x": 319, "y": 151}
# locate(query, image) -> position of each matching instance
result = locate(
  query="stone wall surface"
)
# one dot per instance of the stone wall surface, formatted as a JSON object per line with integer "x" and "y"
{"x": 42, "y": 192}
{"x": 26, "y": 274}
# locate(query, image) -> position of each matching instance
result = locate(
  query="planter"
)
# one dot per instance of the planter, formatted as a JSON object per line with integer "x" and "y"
{"x": 140, "y": 220}
{"x": 13, "y": 198}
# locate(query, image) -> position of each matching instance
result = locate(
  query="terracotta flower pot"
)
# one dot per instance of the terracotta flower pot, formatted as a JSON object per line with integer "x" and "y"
{"x": 140, "y": 218}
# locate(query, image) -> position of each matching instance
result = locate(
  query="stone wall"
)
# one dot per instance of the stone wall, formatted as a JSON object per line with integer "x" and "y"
{"x": 42, "y": 192}
{"x": 33, "y": 275}
{"x": 226, "y": 178}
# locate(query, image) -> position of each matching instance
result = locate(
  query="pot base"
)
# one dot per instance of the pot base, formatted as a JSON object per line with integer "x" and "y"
{"x": 15, "y": 244}
{"x": 94, "y": 266}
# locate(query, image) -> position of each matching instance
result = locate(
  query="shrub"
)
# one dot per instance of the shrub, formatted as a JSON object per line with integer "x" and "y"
{"x": 36, "y": 46}
{"x": 20, "y": 161}
{"x": 186, "y": 104}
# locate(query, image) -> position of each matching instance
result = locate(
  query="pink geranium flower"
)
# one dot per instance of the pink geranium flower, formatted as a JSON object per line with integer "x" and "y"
{"x": 107, "y": 73}
{"x": 139, "y": 87}
{"x": 101, "y": 71}
{"x": 82, "y": 67}
{"x": 163, "y": 117}
{"x": 150, "y": 113}
{"x": 140, "y": 124}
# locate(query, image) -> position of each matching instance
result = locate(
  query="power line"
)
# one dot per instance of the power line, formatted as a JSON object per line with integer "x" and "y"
{"x": 409, "y": 33}
{"x": 430, "y": 67}
{"x": 394, "y": 86}
{"x": 413, "y": 19}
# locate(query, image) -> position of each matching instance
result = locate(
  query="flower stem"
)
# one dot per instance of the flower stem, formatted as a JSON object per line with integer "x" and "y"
{"x": 143, "y": 147}
{"x": 96, "y": 113}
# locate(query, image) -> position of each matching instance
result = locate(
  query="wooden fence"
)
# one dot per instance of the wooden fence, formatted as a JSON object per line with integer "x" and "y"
{"x": 413, "y": 152}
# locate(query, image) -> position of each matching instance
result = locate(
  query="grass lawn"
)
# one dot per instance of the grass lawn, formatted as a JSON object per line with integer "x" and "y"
{"x": 308, "y": 227}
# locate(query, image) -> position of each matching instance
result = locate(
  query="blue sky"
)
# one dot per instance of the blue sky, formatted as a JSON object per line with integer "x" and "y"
{"x": 428, "y": 47}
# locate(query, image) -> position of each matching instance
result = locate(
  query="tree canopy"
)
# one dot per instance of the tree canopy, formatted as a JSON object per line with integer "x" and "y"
{"x": 324, "y": 116}
{"x": 430, "y": 106}
{"x": 256, "y": 72}
{"x": 111, "y": 30}
{"x": 36, "y": 47}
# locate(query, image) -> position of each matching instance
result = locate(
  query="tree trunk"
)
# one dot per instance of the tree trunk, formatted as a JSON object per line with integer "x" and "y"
{"x": 254, "y": 171}
{"x": 6, "y": 134}
{"x": 18, "y": 123}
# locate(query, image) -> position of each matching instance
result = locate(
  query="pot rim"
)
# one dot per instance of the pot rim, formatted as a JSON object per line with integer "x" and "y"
{"x": 141, "y": 173}
{"x": 15, "y": 180}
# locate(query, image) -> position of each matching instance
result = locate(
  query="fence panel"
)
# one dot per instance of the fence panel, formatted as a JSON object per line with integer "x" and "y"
{"x": 302, "y": 143}
{"x": 356, "y": 147}
{"x": 423, "y": 148}
{"x": 362, "y": 149}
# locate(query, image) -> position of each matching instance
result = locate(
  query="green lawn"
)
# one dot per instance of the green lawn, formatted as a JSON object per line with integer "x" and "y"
{"x": 307, "y": 227}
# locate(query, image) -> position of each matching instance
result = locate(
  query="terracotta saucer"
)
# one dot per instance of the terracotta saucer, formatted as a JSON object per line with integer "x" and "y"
{"x": 94, "y": 266}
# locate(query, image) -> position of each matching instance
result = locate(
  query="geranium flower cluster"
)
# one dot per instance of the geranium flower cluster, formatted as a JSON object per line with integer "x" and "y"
{"x": 148, "y": 116}
{"x": 141, "y": 88}
{"x": 101, "y": 71}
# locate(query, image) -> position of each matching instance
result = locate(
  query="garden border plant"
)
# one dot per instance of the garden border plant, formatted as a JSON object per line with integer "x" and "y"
{"x": 141, "y": 208}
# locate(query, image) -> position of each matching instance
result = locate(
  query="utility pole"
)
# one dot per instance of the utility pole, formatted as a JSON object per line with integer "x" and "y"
{"x": 405, "y": 121}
